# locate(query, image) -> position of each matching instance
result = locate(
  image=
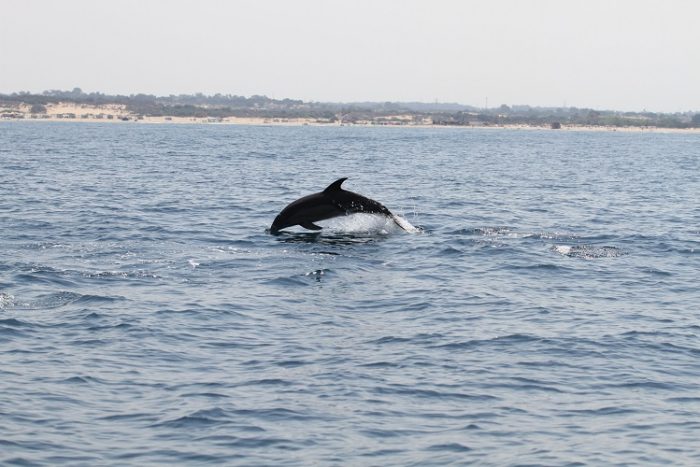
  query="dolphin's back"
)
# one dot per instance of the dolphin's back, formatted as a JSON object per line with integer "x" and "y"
{"x": 353, "y": 203}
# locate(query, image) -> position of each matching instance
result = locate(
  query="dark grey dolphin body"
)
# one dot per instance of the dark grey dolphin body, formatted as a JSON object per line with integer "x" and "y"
{"x": 329, "y": 203}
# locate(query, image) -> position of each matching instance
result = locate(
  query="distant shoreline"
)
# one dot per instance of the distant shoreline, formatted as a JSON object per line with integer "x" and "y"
{"x": 119, "y": 114}
{"x": 298, "y": 122}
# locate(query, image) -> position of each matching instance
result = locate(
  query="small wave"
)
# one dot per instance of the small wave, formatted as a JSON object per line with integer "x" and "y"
{"x": 89, "y": 298}
{"x": 10, "y": 333}
{"x": 600, "y": 411}
{"x": 411, "y": 391}
{"x": 378, "y": 433}
{"x": 198, "y": 418}
{"x": 453, "y": 447}
{"x": 248, "y": 443}
{"x": 44, "y": 275}
{"x": 684, "y": 400}
{"x": 63, "y": 298}
{"x": 54, "y": 300}
{"x": 81, "y": 380}
{"x": 380, "y": 452}
{"x": 643, "y": 384}
{"x": 656, "y": 272}
{"x": 134, "y": 416}
{"x": 538, "y": 266}
{"x": 418, "y": 338}
{"x": 293, "y": 281}
{"x": 267, "y": 382}
{"x": 511, "y": 339}
{"x": 277, "y": 414}
{"x": 14, "y": 322}
{"x": 138, "y": 274}
{"x": 208, "y": 395}
{"x": 329, "y": 238}
{"x": 450, "y": 251}
{"x": 41, "y": 245}
{"x": 483, "y": 231}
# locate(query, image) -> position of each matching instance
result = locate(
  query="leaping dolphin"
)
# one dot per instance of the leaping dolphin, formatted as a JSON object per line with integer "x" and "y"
{"x": 329, "y": 203}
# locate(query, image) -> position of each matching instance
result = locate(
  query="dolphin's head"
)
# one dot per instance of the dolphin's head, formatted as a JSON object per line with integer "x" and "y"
{"x": 276, "y": 226}
{"x": 281, "y": 221}
{"x": 309, "y": 209}
{"x": 297, "y": 212}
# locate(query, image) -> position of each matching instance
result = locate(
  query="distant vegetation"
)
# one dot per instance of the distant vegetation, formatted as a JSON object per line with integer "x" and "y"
{"x": 228, "y": 105}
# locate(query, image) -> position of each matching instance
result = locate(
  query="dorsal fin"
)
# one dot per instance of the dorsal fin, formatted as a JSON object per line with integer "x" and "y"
{"x": 335, "y": 186}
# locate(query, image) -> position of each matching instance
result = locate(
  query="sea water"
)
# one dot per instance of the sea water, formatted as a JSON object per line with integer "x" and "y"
{"x": 546, "y": 310}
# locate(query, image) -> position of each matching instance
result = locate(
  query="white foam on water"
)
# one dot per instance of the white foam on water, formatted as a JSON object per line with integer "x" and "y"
{"x": 588, "y": 251}
{"x": 6, "y": 300}
{"x": 562, "y": 249}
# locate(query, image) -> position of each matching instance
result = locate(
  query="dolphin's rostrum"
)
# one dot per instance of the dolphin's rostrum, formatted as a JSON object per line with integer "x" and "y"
{"x": 331, "y": 202}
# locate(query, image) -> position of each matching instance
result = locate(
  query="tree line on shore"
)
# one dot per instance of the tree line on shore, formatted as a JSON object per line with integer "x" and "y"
{"x": 228, "y": 105}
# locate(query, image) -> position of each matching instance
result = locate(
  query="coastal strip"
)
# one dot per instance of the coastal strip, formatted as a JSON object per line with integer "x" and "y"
{"x": 119, "y": 113}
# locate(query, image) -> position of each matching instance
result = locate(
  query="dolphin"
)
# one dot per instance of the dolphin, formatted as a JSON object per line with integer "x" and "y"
{"x": 329, "y": 203}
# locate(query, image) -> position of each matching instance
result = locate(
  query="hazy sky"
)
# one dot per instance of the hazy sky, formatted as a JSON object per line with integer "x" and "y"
{"x": 606, "y": 54}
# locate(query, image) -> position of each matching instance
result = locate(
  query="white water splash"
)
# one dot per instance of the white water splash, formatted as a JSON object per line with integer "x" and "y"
{"x": 368, "y": 224}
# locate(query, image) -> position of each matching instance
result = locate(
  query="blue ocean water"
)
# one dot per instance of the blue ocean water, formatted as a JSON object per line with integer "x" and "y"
{"x": 547, "y": 313}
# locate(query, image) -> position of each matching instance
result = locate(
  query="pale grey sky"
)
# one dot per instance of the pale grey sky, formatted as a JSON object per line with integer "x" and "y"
{"x": 606, "y": 54}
